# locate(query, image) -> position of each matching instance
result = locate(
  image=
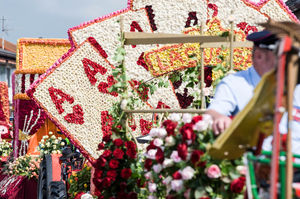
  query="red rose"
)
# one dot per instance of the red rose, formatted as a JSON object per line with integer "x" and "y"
{"x": 132, "y": 195}
{"x": 205, "y": 197}
{"x": 106, "y": 182}
{"x": 121, "y": 195}
{"x": 106, "y": 138}
{"x": 106, "y": 153}
{"x": 238, "y": 184}
{"x": 170, "y": 197}
{"x": 101, "y": 161}
{"x": 159, "y": 156}
{"x": 182, "y": 151}
{"x": 176, "y": 175}
{"x": 196, "y": 119}
{"x": 170, "y": 126}
{"x": 112, "y": 174}
{"x": 187, "y": 132}
{"x": 76, "y": 179}
{"x": 148, "y": 164}
{"x": 98, "y": 183}
{"x": 151, "y": 146}
{"x": 118, "y": 153}
{"x": 100, "y": 146}
{"x": 131, "y": 149}
{"x": 98, "y": 173}
{"x": 123, "y": 186}
{"x": 126, "y": 173}
{"x": 196, "y": 155}
{"x": 118, "y": 142}
{"x": 113, "y": 164}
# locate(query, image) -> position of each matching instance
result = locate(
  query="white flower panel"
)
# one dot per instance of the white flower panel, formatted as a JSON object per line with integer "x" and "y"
{"x": 70, "y": 77}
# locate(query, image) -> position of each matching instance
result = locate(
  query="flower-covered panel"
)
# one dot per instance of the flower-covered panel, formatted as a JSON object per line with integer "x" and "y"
{"x": 37, "y": 55}
{"x": 173, "y": 16}
{"x": 74, "y": 94}
{"x": 4, "y": 100}
{"x": 106, "y": 31}
{"x": 276, "y": 11}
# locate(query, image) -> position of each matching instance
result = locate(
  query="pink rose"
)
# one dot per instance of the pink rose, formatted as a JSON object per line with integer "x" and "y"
{"x": 213, "y": 171}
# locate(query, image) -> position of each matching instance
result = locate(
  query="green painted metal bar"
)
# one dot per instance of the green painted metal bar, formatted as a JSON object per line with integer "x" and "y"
{"x": 282, "y": 175}
{"x": 252, "y": 176}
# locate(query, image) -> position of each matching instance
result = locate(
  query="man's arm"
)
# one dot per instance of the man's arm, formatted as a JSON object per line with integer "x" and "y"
{"x": 220, "y": 121}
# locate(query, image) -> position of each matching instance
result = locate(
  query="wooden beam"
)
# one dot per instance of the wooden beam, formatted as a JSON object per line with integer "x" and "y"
{"x": 236, "y": 44}
{"x": 135, "y": 38}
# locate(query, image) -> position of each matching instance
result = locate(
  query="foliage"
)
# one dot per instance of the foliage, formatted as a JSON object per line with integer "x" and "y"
{"x": 177, "y": 164}
{"x": 5, "y": 148}
{"x": 23, "y": 166}
{"x": 79, "y": 181}
{"x": 50, "y": 145}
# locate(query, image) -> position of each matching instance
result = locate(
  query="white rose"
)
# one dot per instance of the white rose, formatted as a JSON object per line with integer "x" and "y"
{"x": 50, "y": 133}
{"x": 167, "y": 180}
{"x": 201, "y": 126}
{"x": 124, "y": 104}
{"x": 162, "y": 133}
{"x": 151, "y": 154}
{"x": 62, "y": 143}
{"x": 152, "y": 187}
{"x": 168, "y": 163}
{"x": 157, "y": 168}
{"x": 86, "y": 196}
{"x": 187, "y": 173}
{"x": 158, "y": 142}
{"x": 175, "y": 117}
{"x": 177, "y": 185}
{"x": 170, "y": 141}
{"x": 53, "y": 137}
{"x": 148, "y": 175}
{"x": 187, "y": 118}
{"x": 175, "y": 157}
{"x": 54, "y": 146}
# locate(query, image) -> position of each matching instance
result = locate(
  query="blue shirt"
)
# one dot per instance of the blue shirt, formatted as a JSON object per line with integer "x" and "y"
{"x": 235, "y": 91}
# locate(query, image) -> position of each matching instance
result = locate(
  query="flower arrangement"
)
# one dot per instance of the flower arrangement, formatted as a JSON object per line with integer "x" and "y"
{"x": 118, "y": 169}
{"x": 177, "y": 164}
{"x": 50, "y": 145}
{"x": 79, "y": 182}
{"x": 5, "y": 148}
{"x": 23, "y": 166}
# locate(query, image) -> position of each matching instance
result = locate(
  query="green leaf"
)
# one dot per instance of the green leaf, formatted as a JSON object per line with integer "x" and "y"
{"x": 191, "y": 85}
{"x": 208, "y": 189}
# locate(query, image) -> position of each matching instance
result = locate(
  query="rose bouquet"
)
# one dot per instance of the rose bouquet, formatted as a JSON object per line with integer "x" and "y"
{"x": 177, "y": 164}
{"x": 5, "y": 148}
{"x": 118, "y": 169}
{"x": 23, "y": 166}
{"x": 50, "y": 145}
{"x": 80, "y": 182}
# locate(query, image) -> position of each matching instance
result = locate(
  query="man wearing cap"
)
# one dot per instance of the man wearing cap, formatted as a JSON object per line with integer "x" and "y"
{"x": 234, "y": 91}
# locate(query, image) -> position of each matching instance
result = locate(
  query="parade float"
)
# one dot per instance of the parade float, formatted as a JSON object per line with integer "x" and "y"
{"x": 102, "y": 91}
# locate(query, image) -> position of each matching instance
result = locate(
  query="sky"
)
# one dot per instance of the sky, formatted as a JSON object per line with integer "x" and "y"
{"x": 51, "y": 18}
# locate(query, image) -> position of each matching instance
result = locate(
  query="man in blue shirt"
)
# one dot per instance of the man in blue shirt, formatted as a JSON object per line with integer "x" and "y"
{"x": 234, "y": 91}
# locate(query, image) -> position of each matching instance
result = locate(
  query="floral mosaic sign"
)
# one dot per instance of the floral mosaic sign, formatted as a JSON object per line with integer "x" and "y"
{"x": 74, "y": 91}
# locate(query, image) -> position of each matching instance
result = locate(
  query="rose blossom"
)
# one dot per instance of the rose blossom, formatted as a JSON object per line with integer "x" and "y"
{"x": 187, "y": 118}
{"x": 151, "y": 154}
{"x": 86, "y": 196}
{"x": 187, "y": 173}
{"x": 170, "y": 141}
{"x": 175, "y": 117}
{"x": 167, "y": 180}
{"x": 148, "y": 175}
{"x": 175, "y": 157}
{"x": 170, "y": 126}
{"x": 148, "y": 164}
{"x": 213, "y": 171}
{"x": 152, "y": 197}
{"x": 126, "y": 173}
{"x": 182, "y": 151}
{"x": 187, "y": 194}
{"x": 158, "y": 142}
{"x": 241, "y": 169}
{"x": 118, "y": 142}
{"x": 159, "y": 156}
{"x": 201, "y": 126}
{"x": 177, "y": 185}
{"x": 152, "y": 187}
{"x": 168, "y": 163}
{"x": 237, "y": 185}
{"x": 157, "y": 168}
